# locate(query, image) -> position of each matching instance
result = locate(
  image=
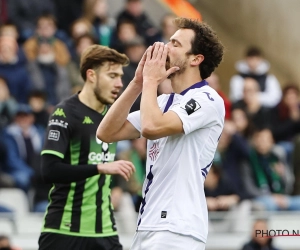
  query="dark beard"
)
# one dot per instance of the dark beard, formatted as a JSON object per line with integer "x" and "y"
{"x": 181, "y": 65}
{"x": 97, "y": 92}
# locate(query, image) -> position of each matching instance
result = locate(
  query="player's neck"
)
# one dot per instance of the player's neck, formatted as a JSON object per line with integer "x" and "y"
{"x": 183, "y": 81}
{"x": 88, "y": 98}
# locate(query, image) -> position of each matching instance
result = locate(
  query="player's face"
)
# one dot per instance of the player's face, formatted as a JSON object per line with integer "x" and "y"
{"x": 108, "y": 83}
{"x": 179, "y": 48}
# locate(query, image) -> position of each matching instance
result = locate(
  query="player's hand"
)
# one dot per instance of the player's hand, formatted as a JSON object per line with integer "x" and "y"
{"x": 138, "y": 77}
{"x": 155, "y": 65}
{"x": 123, "y": 168}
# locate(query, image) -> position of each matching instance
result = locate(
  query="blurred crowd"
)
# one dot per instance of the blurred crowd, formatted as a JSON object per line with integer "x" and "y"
{"x": 256, "y": 166}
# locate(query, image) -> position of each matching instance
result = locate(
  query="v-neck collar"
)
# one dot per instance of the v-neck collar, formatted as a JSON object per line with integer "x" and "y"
{"x": 195, "y": 86}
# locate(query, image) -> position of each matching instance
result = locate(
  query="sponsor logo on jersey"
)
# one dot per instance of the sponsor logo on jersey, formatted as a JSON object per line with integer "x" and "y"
{"x": 59, "y": 112}
{"x": 96, "y": 158}
{"x": 191, "y": 106}
{"x": 154, "y": 151}
{"x": 53, "y": 135}
{"x": 56, "y": 122}
{"x": 163, "y": 214}
{"x": 87, "y": 120}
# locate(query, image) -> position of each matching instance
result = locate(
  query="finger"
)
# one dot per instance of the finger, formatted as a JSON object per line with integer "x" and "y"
{"x": 149, "y": 51}
{"x": 130, "y": 165}
{"x": 161, "y": 51}
{"x": 165, "y": 53}
{"x": 143, "y": 59}
{"x": 155, "y": 50}
{"x": 128, "y": 169}
{"x": 123, "y": 174}
{"x": 172, "y": 70}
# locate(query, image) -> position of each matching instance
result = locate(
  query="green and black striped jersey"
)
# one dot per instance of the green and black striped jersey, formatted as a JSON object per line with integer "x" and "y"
{"x": 81, "y": 208}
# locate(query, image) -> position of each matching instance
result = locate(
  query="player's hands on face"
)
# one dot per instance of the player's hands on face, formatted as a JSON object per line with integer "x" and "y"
{"x": 138, "y": 77}
{"x": 123, "y": 168}
{"x": 155, "y": 64}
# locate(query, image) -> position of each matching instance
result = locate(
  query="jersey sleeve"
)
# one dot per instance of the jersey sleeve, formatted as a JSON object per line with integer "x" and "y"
{"x": 200, "y": 110}
{"x": 57, "y": 137}
{"x": 135, "y": 118}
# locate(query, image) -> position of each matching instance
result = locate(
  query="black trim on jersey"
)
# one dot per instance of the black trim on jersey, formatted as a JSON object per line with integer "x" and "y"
{"x": 99, "y": 194}
{"x": 112, "y": 218}
{"x": 54, "y": 217}
{"x": 76, "y": 208}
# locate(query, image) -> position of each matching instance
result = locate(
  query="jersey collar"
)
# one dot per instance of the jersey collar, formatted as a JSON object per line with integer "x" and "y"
{"x": 195, "y": 86}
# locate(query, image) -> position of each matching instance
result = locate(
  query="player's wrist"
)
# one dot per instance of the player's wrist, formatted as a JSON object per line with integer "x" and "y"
{"x": 150, "y": 84}
{"x": 100, "y": 168}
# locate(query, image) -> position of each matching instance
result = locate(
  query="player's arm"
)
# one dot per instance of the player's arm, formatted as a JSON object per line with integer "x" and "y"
{"x": 54, "y": 170}
{"x": 154, "y": 123}
{"x": 115, "y": 127}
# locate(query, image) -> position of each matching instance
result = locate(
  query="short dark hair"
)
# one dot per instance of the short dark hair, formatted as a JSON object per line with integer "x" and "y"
{"x": 205, "y": 43}
{"x": 88, "y": 36}
{"x": 253, "y": 51}
{"x": 95, "y": 55}
{"x": 47, "y": 16}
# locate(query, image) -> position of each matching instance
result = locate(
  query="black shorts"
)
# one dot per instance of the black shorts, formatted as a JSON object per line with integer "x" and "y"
{"x": 54, "y": 241}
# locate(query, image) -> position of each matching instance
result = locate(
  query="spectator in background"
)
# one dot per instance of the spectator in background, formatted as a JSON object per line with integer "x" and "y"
{"x": 6, "y": 245}
{"x": 81, "y": 43}
{"x": 258, "y": 242}
{"x": 221, "y": 196}
{"x": 255, "y": 66}
{"x": 24, "y": 13}
{"x": 168, "y": 27}
{"x": 214, "y": 82}
{"x": 134, "y": 49}
{"x": 13, "y": 67}
{"x": 286, "y": 119}
{"x": 233, "y": 149}
{"x": 45, "y": 31}
{"x": 243, "y": 124}
{"x": 67, "y": 12}
{"x": 23, "y": 142}
{"x": 96, "y": 11}
{"x": 134, "y": 12}
{"x": 38, "y": 104}
{"x": 8, "y": 105}
{"x": 6, "y": 181}
{"x": 80, "y": 27}
{"x": 125, "y": 32}
{"x": 48, "y": 73}
{"x": 9, "y": 29}
{"x": 266, "y": 175}
{"x": 258, "y": 114}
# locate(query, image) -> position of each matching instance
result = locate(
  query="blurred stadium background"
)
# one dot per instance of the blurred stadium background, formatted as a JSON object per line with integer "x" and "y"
{"x": 270, "y": 25}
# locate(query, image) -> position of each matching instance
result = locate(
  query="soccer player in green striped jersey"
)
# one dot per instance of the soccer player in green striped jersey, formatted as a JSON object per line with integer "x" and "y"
{"x": 80, "y": 213}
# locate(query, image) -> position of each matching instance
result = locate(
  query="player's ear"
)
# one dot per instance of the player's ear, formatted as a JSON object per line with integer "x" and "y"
{"x": 197, "y": 59}
{"x": 91, "y": 75}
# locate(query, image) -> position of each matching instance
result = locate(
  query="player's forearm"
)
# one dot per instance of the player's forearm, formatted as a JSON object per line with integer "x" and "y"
{"x": 55, "y": 171}
{"x": 117, "y": 114}
{"x": 151, "y": 114}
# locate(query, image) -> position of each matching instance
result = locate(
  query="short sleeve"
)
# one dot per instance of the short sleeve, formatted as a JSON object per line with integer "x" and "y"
{"x": 199, "y": 110}
{"x": 58, "y": 133}
{"x": 135, "y": 119}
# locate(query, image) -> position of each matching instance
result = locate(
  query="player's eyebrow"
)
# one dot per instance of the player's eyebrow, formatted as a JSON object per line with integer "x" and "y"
{"x": 175, "y": 40}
